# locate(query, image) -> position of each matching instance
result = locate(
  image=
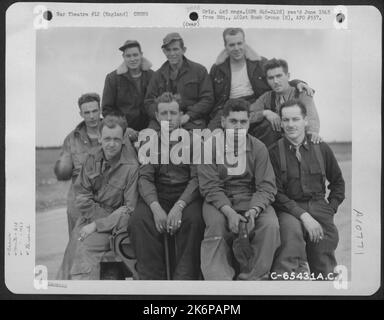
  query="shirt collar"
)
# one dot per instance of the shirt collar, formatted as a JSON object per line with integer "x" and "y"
{"x": 286, "y": 95}
{"x": 304, "y": 144}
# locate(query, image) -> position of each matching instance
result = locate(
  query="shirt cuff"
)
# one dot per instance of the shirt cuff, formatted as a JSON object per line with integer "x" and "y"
{"x": 297, "y": 212}
{"x": 149, "y": 198}
{"x": 221, "y": 201}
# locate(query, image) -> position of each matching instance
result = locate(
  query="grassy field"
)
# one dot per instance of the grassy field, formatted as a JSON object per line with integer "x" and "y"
{"x": 51, "y": 193}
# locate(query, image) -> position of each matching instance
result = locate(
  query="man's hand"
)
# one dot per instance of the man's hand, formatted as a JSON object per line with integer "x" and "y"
{"x": 314, "y": 229}
{"x": 160, "y": 217}
{"x": 233, "y": 218}
{"x": 302, "y": 86}
{"x": 184, "y": 119}
{"x": 273, "y": 118}
{"x": 131, "y": 134}
{"x": 252, "y": 215}
{"x": 174, "y": 219}
{"x": 315, "y": 137}
{"x": 87, "y": 230}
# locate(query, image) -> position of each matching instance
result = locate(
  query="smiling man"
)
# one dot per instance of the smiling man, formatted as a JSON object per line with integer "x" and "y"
{"x": 306, "y": 217}
{"x": 182, "y": 76}
{"x": 126, "y": 87}
{"x": 238, "y": 73}
{"x": 106, "y": 194}
{"x": 77, "y": 145}
{"x": 169, "y": 203}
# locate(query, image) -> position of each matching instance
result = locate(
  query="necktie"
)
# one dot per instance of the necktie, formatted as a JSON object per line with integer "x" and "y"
{"x": 298, "y": 154}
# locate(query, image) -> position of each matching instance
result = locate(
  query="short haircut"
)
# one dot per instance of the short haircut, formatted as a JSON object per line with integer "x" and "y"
{"x": 293, "y": 103}
{"x": 275, "y": 63}
{"x": 133, "y": 45}
{"x": 232, "y": 32}
{"x": 235, "y": 105}
{"x": 88, "y": 97}
{"x": 168, "y": 97}
{"x": 112, "y": 121}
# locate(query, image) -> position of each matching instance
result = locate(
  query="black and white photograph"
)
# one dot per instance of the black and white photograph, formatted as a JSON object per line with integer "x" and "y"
{"x": 123, "y": 192}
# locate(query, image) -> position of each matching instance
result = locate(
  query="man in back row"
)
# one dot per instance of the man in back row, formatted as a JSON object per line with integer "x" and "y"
{"x": 238, "y": 73}
{"x": 268, "y": 105}
{"x": 185, "y": 77}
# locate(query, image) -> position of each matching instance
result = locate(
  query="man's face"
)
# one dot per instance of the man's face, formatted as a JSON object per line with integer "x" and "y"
{"x": 235, "y": 46}
{"x": 293, "y": 123}
{"x": 278, "y": 80}
{"x": 236, "y": 120}
{"x": 111, "y": 141}
{"x": 174, "y": 52}
{"x": 169, "y": 111}
{"x": 132, "y": 58}
{"x": 90, "y": 112}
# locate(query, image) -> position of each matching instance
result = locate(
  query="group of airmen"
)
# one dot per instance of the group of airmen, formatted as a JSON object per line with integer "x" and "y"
{"x": 274, "y": 218}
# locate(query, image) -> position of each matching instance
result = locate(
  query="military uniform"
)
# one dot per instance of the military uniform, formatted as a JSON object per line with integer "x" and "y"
{"x": 272, "y": 101}
{"x": 101, "y": 188}
{"x": 125, "y": 95}
{"x": 302, "y": 189}
{"x": 167, "y": 183}
{"x": 221, "y": 76}
{"x": 76, "y": 147}
{"x": 255, "y": 187}
{"x": 193, "y": 85}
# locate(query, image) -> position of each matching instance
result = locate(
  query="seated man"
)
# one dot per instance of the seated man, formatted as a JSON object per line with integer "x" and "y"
{"x": 106, "y": 193}
{"x": 268, "y": 105}
{"x": 83, "y": 140}
{"x": 231, "y": 199}
{"x": 169, "y": 203}
{"x": 306, "y": 218}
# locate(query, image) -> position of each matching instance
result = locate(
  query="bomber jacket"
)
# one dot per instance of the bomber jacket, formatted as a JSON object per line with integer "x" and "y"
{"x": 220, "y": 75}
{"x": 100, "y": 191}
{"x": 122, "y": 95}
{"x": 75, "y": 149}
{"x": 193, "y": 85}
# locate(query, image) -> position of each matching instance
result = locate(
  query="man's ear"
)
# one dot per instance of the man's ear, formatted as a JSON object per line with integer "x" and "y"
{"x": 185, "y": 50}
{"x": 157, "y": 116}
{"x": 289, "y": 75}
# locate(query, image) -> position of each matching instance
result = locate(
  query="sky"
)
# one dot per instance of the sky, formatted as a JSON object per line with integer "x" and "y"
{"x": 73, "y": 61}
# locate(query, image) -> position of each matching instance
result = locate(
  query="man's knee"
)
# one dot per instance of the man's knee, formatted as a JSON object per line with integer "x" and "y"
{"x": 140, "y": 215}
{"x": 290, "y": 227}
{"x": 97, "y": 242}
{"x": 268, "y": 220}
{"x": 215, "y": 222}
{"x": 192, "y": 215}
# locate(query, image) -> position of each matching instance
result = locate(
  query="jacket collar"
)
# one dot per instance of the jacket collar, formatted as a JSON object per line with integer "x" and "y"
{"x": 145, "y": 66}
{"x": 81, "y": 130}
{"x": 250, "y": 54}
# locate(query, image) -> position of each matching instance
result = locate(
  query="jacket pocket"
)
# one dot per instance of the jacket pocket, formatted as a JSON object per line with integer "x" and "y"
{"x": 191, "y": 89}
